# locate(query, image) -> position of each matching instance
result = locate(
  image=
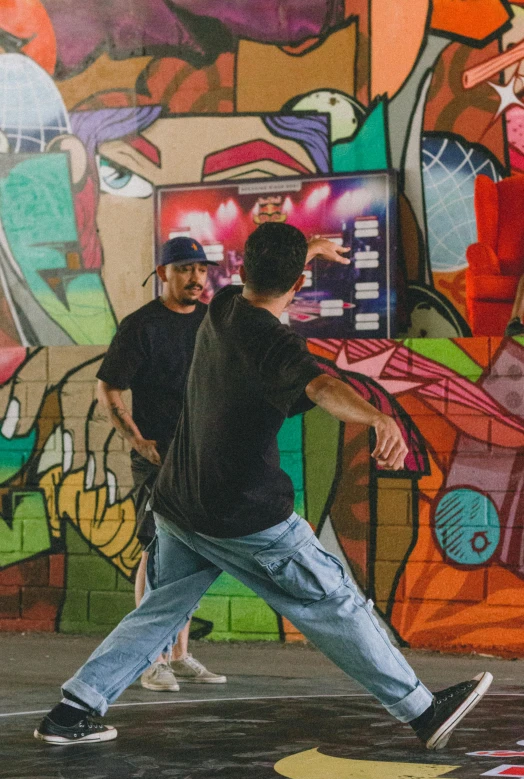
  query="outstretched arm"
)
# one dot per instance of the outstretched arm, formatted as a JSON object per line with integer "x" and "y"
{"x": 110, "y": 398}
{"x": 326, "y": 250}
{"x": 342, "y": 402}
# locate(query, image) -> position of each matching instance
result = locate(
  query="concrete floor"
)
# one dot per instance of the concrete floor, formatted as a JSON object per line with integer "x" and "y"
{"x": 298, "y": 698}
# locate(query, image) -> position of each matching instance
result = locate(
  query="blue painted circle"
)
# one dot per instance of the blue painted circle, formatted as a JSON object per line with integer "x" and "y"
{"x": 467, "y": 526}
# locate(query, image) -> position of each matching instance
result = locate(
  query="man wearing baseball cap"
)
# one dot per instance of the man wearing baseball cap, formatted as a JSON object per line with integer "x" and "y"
{"x": 151, "y": 354}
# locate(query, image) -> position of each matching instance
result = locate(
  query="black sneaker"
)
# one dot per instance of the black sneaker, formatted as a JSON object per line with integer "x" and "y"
{"x": 84, "y": 731}
{"x": 514, "y": 327}
{"x": 450, "y": 707}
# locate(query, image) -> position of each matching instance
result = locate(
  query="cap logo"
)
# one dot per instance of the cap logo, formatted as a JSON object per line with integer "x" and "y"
{"x": 194, "y": 247}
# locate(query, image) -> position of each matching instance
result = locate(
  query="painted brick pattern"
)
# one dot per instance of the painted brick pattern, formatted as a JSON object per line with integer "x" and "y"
{"x": 67, "y": 549}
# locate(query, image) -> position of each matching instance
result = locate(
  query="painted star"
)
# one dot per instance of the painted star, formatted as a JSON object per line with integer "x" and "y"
{"x": 507, "y": 95}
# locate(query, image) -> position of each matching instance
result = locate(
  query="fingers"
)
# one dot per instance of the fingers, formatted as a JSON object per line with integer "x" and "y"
{"x": 390, "y": 451}
{"x": 328, "y": 250}
{"x": 155, "y": 457}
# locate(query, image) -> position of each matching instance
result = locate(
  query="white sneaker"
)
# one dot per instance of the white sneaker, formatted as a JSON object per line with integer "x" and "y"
{"x": 159, "y": 677}
{"x": 189, "y": 669}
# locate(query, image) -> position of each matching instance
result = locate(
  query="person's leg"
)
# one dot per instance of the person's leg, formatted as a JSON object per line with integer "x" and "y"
{"x": 159, "y": 676}
{"x": 178, "y": 577}
{"x": 140, "y": 580}
{"x": 180, "y": 648}
{"x": 289, "y": 568}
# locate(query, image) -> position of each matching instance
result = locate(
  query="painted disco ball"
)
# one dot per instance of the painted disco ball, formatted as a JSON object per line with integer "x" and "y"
{"x": 32, "y": 111}
{"x": 449, "y": 169}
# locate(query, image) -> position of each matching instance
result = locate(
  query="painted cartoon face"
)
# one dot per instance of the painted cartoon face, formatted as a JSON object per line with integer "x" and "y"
{"x": 175, "y": 151}
{"x": 345, "y": 112}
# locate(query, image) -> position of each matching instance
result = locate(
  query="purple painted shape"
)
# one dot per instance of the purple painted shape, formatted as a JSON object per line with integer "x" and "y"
{"x": 108, "y": 124}
{"x": 196, "y": 30}
{"x": 498, "y": 471}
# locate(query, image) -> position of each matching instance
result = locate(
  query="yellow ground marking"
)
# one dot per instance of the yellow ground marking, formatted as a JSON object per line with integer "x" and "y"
{"x": 313, "y": 765}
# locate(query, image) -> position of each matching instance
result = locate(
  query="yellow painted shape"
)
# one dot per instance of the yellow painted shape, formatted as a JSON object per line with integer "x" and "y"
{"x": 313, "y": 765}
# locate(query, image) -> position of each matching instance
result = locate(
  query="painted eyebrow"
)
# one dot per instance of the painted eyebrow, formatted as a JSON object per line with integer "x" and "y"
{"x": 249, "y": 152}
{"x": 145, "y": 148}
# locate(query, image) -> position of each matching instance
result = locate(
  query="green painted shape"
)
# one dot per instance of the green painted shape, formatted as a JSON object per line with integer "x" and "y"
{"x": 15, "y": 453}
{"x": 90, "y": 572}
{"x": 233, "y": 636}
{"x": 215, "y": 609}
{"x": 86, "y": 571}
{"x": 15, "y": 543}
{"x": 75, "y": 608}
{"x": 367, "y": 150}
{"x": 291, "y": 463}
{"x": 252, "y": 616}
{"x": 291, "y": 460}
{"x": 228, "y": 585}
{"x": 39, "y": 221}
{"x": 108, "y": 608}
{"x": 299, "y": 503}
{"x": 321, "y": 442}
{"x": 446, "y": 352}
{"x": 290, "y": 435}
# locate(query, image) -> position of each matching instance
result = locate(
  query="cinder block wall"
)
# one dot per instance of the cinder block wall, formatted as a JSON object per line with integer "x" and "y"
{"x": 436, "y": 547}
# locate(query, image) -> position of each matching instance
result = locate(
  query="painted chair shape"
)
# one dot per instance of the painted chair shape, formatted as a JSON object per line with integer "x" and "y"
{"x": 496, "y": 262}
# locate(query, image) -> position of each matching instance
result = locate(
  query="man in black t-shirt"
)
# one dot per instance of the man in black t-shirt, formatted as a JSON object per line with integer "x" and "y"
{"x": 222, "y": 503}
{"x": 151, "y": 354}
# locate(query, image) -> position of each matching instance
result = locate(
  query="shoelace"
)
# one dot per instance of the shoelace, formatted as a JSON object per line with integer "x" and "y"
{"x": 195, "y": 664}
{"x": 459, "y": 688}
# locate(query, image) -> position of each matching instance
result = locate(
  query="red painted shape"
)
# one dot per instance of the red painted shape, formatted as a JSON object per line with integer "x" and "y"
{"x": 29, "y": 20}
{"x": 10, "y": 360}
{"x": 245, "y": 153}
{"x": 56, "y": 570}
{"x": 146, "y": 148}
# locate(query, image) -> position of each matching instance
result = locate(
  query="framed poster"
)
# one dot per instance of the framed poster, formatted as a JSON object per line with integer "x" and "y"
{"x": 355, "y": 210}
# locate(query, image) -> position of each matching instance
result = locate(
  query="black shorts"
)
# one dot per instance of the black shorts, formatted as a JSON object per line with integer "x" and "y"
{"x": 144, "y": 476}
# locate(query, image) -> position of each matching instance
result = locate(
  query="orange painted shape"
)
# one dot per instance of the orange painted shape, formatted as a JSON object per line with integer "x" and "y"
{"x": 29, "y": 19}
{"x": 441, "y": 582}
{"x": 504, "y": 587}
{"x": 396, "y": 39}
{"x": 476, "y": 348}
{"x": 473, "y": 19}
{"x": 461, "y": 627}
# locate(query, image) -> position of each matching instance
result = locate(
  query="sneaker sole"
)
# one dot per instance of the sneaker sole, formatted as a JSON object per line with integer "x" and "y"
{"x": 159, "y": 688}
{"x": 107, "y": 735}
{"x": 441, "y": 736}
{"x": 220, "y": 680}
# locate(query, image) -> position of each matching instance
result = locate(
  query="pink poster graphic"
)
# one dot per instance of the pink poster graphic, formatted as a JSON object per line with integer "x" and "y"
{"x": 356, "y": 211}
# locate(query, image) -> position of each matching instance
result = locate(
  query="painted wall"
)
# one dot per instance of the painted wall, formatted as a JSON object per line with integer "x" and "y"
{"x": 439, "y": 546}
{"x": 159, "y": 93}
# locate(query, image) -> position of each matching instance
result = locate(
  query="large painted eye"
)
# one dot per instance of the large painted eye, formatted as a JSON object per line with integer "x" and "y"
{"x": 116, "y": 180}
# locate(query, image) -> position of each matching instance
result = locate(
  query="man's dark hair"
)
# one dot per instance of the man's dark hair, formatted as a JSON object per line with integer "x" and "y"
{"x": 274, "y": 258}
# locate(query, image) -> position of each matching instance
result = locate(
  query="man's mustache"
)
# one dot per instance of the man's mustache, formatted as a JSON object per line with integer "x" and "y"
{"x": 194, "y": 286}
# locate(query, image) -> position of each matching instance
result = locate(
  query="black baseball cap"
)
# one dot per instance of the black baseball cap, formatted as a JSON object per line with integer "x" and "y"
{"x": 181, "y": 251}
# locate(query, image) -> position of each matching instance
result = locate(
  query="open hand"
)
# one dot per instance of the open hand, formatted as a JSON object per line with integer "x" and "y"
{"x": 327, "y": 250}
{"x": 390, "y": 451}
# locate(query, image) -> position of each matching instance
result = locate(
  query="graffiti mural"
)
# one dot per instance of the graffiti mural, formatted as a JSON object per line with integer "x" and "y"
{"x": 158, "y": 94}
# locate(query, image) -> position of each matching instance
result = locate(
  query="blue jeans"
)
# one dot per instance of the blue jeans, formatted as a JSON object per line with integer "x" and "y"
{"x": 288, "y": 567}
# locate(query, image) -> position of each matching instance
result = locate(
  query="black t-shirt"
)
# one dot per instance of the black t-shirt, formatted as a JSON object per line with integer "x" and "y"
{"x": 222, "y": 474}
{"x": 151, "y": 354}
